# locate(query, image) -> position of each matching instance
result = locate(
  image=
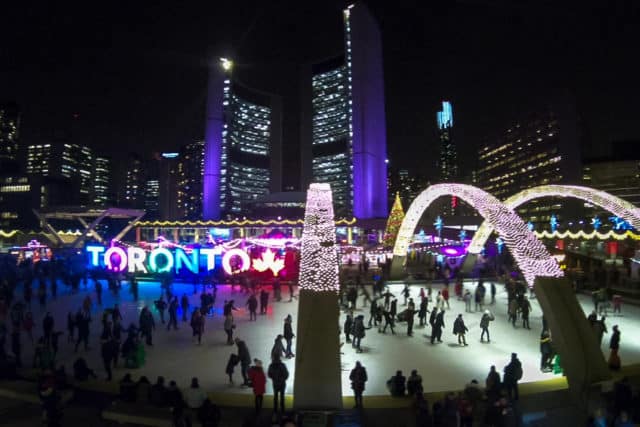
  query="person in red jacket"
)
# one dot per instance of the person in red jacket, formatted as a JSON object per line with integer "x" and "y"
{"x": 258, "y": 382}
{"x": 445, "y": 296}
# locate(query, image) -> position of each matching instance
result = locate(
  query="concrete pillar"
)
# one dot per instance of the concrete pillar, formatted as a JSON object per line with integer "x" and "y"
{"x": 397, "y": 268}
{"x": 574, "y": 340}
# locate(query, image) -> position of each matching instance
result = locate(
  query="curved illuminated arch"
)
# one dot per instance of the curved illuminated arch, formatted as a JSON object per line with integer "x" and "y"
{"x": 530, "y": 254}
{"x": 613, "y": 204}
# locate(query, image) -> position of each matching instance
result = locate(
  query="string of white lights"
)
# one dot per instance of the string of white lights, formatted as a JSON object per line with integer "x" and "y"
{"x": 529, "y": 253}
{"x": 609, "y": 202}
{"x": 318, "y": 253}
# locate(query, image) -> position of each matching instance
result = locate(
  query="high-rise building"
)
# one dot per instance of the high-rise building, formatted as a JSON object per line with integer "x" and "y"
{"x": 189, "y": 175}
{"x": 618, "y": 175}
{"x": 9, "y": 131}
{"x": 409, "y": 185}
{"x": 343, "y": 121}
{"x": 102, "y": 181}
{"x": 541, "y": 148}
{"x": 134, "y": 185}
{"x": 60, "y": 160}
{"x": 152, "y": 198}
{"x": 243, "y": 144}
{"x": 448, "y": 161}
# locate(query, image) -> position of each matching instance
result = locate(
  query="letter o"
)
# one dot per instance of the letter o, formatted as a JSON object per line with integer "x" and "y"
{"x": 123, "y": 258}
{"x": 226, "y": 260}
{"x": 153, "y": 264}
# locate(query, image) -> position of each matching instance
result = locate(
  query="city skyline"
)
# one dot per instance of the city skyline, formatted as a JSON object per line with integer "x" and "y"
{"x": 489, "y": 70}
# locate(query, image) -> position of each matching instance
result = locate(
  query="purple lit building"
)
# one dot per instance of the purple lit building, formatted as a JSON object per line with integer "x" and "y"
{"x": 343, "y": 128}
{"x": 242, "y": 145}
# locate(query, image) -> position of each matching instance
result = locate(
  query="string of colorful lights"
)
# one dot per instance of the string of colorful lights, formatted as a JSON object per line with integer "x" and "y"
{"x": 236, "y": 222}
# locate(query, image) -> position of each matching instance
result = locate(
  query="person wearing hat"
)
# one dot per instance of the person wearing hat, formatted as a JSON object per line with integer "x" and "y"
{"x": 258, "y": 382}
{"x": 487, "y": 317}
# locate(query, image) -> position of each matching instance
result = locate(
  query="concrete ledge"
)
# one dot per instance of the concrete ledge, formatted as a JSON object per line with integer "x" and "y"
{"x": 27, "y": 391}
{"x": 133, "y": 413}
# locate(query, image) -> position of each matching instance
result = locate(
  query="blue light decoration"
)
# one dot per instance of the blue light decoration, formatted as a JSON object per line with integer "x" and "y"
{"x": 499, "y": 244}
{"x": 619, "y": 224}
{"x": 553, "y": 223}
{"x": 596, "y": 223}
{"x": 445, "y": 117}
{"x": 439, "y": 224}
{"x": 462, "y": 235}
{"x": 530, "y": 226}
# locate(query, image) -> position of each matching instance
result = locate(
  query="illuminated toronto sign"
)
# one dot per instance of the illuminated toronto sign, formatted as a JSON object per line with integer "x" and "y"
{"x": 163, "y": 260}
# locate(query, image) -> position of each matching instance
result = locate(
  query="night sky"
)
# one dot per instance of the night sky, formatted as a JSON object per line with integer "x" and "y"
{"x": 132, "y": 75}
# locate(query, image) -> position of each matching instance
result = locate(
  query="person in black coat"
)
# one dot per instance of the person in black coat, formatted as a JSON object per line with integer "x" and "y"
{"x": 252, "y": 305}
{"x": 288, "y": 335}
{"x": 147, "y": 325}
{"x": 422, "y": 311}
{"x": 358, "y": 332}
{"x": 358, "y": 377}
{"x": 173, "y": 314}
{"x": 107, "y": 349}
{"x": 460, "y": 329}
{"x": 436, "y": 328}
{"x": 397, "y": 384}
{"x": 347, "y": 327}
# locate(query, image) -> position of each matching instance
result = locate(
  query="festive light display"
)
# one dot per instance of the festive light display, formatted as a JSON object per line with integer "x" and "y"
{"x": 553, "y": 223}
{"x": 587, "y": 236}
{"x": 163, "y": 260}
{"x": 439, "y": 224}
{"x": 393, "y": 223}
{"x": 530, "y": 226}
{"x": 268, "y": 261}
{"x": 616, "y": 205}
{"x": 619, "y": 224}
{"x": 319, "y": 253}
{"x": 596, "y": 223}
{"x": 529, "y": 253}
{"x": 236, "y": 222}
{"x": 499, "y": 244}
{"x": 462, "y": 235}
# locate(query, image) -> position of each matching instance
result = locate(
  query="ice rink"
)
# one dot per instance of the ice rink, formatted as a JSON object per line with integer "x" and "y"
{"x": 444, "y": 366}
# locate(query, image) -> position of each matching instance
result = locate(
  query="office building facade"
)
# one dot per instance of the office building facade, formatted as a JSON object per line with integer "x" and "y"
{"x": 61, "y": 161}
{"x": 9, "y": 131}
{"x": 542, "y": 148}
{"x": 189, "y": 181}
{"x": 343, "y": 127}
{"x": 242, "y": 145}
{"x": 102, "y": 182}
{"x": 616, "y": 175}
{"x": 135, "y": 182}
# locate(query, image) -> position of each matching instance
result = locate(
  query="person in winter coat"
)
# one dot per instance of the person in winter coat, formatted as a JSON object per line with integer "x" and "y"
{"x": 348, "y": 327}
{"x": 277, "y": 351}
{"x": 358, "y": 379}
{"x": 184, "y": 305}
{"x": 460, "y": 329}
{"x": 258, "y": 382}
{"x": 231, "y": 364}
{"x": 436, "y": 330}
{"x": 288, "y": 335}
{"x": 373, "y": 313}
{"x": 414, "y": 383}
{"x": 147, "y": 325}
{"x": 445, "y": 297}
{"x": 492, "y": 384}
{"x": 513, "y": 311}
{"x": 228, "y": 328}
{"x": 197, "y": 325}
{"x": 397, "y": 384}
{"x": 264, "y": 301}
{"x": 107, "y": 349}
{"x": 161, "y": 305}
{"x": 245, "y": 359}
{"x": 422, "y": 311}
{"x": 487, "y": 318}
{"x": 467, "y": 301}
{"x": 525, "y": 309}
{"x": 279, "y": 374}
{"x": 614, "y": 346}
{"x": 512, "y": 374}
{"x": 173, "y": 314}
{"x": 358, "y": 332}
{"x": 546, "y": 352}
{"x": 252, "y": 305}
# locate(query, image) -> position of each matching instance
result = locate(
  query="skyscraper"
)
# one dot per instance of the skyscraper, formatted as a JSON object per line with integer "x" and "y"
{"x": 448, "y": 160}
{"x": 152, "y": 198}
{"x": 9, "y": 131}
{"x": 343, "y": 121}
{"x": 243, "y": 144}
{"x": 189, "y": 176}
{"x": 61, "y": 160}
{"x": 102, "y": 181}
{"x": 539, "y": 148}
{"x": 134, "y": 185}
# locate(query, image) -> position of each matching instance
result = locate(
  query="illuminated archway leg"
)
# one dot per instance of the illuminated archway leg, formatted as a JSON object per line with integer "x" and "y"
{"x": 318, "y": 379}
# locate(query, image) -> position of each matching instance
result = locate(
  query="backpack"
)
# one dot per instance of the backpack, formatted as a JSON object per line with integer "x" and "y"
{"x": 517, "y": 372}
